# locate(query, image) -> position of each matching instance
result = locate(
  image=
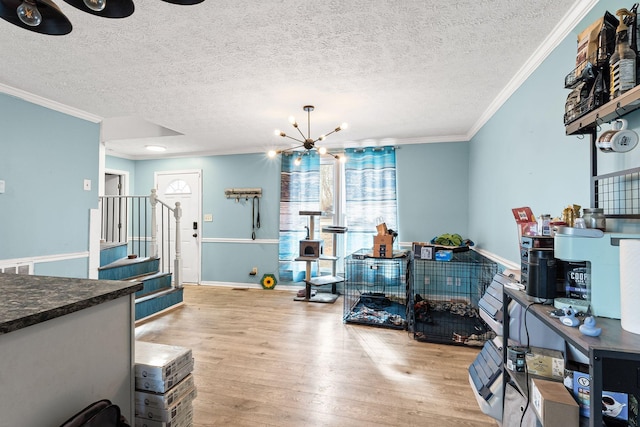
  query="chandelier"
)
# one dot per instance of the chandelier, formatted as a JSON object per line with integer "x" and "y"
{"x": 307, "y": 142}
{"x": 45, "y": 17}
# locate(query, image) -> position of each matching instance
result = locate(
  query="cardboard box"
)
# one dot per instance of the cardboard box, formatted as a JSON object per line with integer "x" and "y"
{"x": 423, "y": 250}
{"x": 553, "y": 404}
{"x": 527, "y": 225}
{"x": 162, "y": 386}
{"x": 165, "y": 400}
{"x": 170, "y": 413}
{"x": 383, "y": 246}
{"x": 614, "y": 405}
{"x": 159, "y": 361}
{"x": 185, "y": 419}
{"x": 545, "y": 363}
{"x": 444, "y": 255}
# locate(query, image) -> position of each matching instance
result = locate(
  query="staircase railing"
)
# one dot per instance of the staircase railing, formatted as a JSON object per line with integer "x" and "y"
{"x": 166, "y": 238}
{"x": 145, "y": 227}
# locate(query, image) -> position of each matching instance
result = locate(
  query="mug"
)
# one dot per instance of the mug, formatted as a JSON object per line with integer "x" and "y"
{"x": 617, "y": 140}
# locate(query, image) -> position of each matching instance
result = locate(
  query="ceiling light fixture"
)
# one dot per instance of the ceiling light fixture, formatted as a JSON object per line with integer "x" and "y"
{"x": 307, "y": 142}
{"x": 157, "y": 148}
{"x": 45, "y": 17}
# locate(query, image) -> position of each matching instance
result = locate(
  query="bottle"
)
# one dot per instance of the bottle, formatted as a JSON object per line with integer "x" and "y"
{"x": 543, "y": 225}
{"x": 623, "y": 60}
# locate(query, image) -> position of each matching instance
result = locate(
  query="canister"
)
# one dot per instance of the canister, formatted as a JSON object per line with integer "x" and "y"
{"x": 542, "y": 274}
{"x": 594, "y": 218}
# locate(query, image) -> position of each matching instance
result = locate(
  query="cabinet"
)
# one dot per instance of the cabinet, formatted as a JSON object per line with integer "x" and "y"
{"x": 614, "y": 356}
{"x": 612, "y": 191}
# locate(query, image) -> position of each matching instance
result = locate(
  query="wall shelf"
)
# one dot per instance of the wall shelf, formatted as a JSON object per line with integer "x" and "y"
{"x": 614, "y": 356}
{"x": 624, "y": 104}
{"x": 612, "y": 192}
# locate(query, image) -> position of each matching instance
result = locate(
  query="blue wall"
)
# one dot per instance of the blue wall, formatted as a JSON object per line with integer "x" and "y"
{"x": 432, "y": 198}
{"x": 433, "y": 190}
{"x": 522, "y": 156}
{"x": 45, "y": 210}
{"x": 228, "y": 253}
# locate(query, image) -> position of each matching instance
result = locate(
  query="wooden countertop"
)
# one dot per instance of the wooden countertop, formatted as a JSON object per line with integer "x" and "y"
{"x": 28, "y": 300}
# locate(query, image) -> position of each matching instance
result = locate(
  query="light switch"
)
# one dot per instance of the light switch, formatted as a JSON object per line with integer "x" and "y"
{"x": 1, "y": 186}
{"x": 87, "y": 185}
{"x": 208, "y": 217}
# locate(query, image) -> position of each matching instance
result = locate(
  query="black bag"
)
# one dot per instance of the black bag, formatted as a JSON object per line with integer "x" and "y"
{"x": 99, "y": 414}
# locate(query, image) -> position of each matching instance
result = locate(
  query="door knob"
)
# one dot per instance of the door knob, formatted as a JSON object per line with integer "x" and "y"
{"x": 195, "y": 234}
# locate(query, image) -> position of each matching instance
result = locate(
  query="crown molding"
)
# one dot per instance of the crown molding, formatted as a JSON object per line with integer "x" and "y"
{"x": 566, "y": 25}
{"x": 48, "y": 103}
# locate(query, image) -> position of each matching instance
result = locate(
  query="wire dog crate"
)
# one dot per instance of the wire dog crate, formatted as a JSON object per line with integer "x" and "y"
{"x": 376, "y": 290}
{"x": 444, "y": 299}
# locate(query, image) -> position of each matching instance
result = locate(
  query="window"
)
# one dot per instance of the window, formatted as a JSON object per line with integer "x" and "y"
{"x": 177, "y": 186}
{"x": 354, "y": 194}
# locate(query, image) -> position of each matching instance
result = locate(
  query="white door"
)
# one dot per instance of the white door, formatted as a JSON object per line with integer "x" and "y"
{"x": 183, "y": 187}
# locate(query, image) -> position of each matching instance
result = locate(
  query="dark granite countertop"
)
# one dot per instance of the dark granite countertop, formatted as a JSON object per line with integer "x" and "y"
{"x": 28, "y": 300}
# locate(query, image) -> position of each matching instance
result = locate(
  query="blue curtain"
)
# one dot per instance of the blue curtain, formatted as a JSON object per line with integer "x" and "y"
{"x": 370, "y": 181}
{"x": 299, "y": 191}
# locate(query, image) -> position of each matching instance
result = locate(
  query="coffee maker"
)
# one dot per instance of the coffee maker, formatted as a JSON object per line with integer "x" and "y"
{"x": 602, "y": 251}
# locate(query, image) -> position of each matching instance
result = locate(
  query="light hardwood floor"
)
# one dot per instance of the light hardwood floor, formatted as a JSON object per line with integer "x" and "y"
{"x": 262, "y": 359}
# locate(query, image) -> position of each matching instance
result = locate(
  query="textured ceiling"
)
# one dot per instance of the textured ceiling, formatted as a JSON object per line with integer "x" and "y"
{"x": 220, "y": 76}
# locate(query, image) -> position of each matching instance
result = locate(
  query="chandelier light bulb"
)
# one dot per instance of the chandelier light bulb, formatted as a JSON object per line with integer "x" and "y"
{"x": 272, "y": 153}
{"x": 96, "y": 5}
{"x": 305, "y": 140}
{"x": 344, "y": 126}
{"x": 342, "y": 158}
{"x": 29, "y": 13}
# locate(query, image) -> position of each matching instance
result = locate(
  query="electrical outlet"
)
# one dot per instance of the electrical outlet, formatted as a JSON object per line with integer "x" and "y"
{"x": 254, "y": 271}
{"x": 208, "y": 217}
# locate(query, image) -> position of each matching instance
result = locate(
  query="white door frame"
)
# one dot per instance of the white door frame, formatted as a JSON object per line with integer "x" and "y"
{"x": 124, "y": 191}
{"x": 198, "y": 214}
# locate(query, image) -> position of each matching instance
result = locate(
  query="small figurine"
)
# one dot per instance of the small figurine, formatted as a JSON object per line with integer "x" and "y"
{"x": 569, "y": 317}
{"x": 589, "y": 327}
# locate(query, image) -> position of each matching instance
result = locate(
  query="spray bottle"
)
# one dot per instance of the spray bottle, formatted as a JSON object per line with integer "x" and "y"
{"x": 622, "y": 64}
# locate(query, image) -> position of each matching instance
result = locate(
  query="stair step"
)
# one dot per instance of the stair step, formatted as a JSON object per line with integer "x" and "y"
{"x": 125, "y": 268}
{"x": 152, "y": 283}
{"x": 112, "y": 251}
{"x": 158, "y": 301}
{"x": 127, "y": 261}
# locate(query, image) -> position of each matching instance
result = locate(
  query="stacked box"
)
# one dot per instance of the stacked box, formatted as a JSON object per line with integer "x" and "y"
{"x": 165, "y": 387}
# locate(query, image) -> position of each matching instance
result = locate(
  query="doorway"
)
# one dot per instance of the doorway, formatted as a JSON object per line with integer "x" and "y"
{"x": 184, "y": 187}
{"x": 114, "y": 210}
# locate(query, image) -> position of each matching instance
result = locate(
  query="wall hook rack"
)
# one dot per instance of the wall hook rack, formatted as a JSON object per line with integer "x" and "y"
{"x": 242, "y": 193}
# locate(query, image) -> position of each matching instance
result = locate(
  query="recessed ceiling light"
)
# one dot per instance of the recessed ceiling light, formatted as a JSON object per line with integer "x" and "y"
{"x": 156, "y": 148}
